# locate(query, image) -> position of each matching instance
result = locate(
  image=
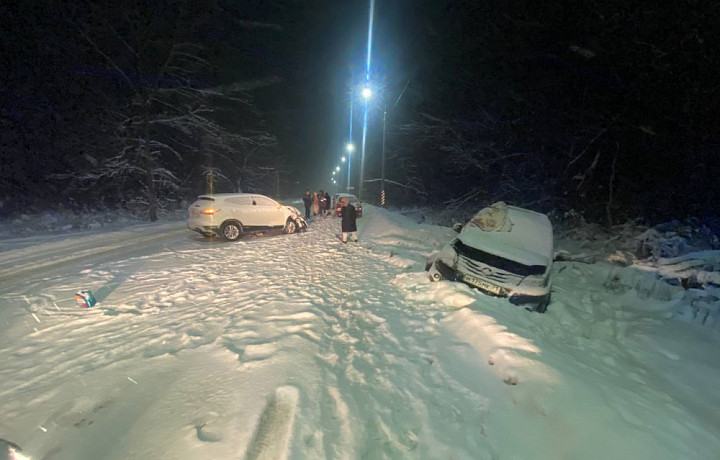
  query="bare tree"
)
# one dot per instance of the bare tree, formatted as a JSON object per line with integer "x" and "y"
{"x": 167, "y": 123}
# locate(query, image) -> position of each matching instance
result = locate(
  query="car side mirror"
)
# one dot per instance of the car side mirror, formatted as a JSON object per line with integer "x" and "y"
{"x": 457, "y": 227}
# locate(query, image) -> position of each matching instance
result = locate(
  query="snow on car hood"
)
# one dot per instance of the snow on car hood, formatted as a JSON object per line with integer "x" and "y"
{"x": 529, "y": 240}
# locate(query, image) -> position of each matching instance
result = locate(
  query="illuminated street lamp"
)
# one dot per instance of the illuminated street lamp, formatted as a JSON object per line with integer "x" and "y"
{"x": 343, "y": 159}
{"x": 350, "y": 147}
{"x": 366, "y": 93}
{"x": 337, "y": 168}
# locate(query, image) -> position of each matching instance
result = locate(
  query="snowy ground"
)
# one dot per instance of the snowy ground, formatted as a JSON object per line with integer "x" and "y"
{"x": 296, "y": 346}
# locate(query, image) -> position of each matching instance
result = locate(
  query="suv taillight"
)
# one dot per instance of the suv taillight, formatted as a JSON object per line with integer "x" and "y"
{"x": 210, "y": 211}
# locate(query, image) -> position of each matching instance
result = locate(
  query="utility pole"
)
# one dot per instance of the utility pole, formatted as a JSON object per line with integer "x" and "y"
{"x": 382, "y": 167}
{"x": 382, "y": 164}
{"x": 277, "y": 182}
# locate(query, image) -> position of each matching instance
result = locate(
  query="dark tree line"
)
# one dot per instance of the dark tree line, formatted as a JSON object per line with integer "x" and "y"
{"x": 132, "y": 103}
{"x": 609, "y": 108}
{"x": 605, "y": 107}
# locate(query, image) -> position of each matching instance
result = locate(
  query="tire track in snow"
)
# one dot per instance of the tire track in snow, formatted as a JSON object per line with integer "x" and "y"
{"x": 261, "y": 299}
{"x": 34, "y": 260}
{"x": 369, "y": 320}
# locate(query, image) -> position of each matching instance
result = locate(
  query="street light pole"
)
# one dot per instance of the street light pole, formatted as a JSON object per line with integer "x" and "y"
{"x": 349, "y": 147}
{"x": 361, "y": 184}
{"x": 382, "y": 167}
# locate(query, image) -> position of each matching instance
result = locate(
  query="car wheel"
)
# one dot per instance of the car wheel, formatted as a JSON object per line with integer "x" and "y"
{"x": 290, "y": 226}
{"x": 542, "y": 307}
{"x": 430, "y": 261}
{"x": 231, "y": 231}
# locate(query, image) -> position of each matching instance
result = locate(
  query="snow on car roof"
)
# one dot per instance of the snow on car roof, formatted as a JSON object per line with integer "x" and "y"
{"x": 530, "y": 240}
{"x": 223, "y": 195}
{"x": 219, "y": 196}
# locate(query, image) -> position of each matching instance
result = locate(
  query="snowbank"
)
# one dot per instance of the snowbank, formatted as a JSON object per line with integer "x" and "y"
{"x": 300, "y": 347}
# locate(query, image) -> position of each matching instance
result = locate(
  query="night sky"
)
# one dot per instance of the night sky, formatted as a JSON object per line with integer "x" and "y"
{"x": 608, "y": 109}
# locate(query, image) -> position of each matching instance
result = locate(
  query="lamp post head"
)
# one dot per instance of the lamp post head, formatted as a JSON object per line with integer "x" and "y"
{"x": 366, "y": 93}
{"x": 337, "y": 168}
{"x": 350, "y": 147}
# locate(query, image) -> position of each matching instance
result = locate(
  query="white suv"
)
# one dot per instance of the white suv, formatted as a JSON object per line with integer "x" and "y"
{"x": 230, "y": 215}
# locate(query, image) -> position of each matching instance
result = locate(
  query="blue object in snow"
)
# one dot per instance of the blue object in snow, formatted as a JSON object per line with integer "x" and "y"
{"x": 85, "y": 299}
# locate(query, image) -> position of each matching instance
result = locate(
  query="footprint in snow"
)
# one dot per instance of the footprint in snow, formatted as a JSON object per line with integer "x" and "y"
{"x": 83, "y": 418}
{"x": 207, "y": 432}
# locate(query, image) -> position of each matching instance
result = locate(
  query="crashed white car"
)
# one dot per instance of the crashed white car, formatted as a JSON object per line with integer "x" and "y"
{"x": 503, "y": 251}
{"x": 230, "y": 215}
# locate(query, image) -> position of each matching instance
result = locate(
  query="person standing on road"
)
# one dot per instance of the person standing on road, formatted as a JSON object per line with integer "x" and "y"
{"x": 328, "y": 204}
{"x": 315, "y": 204}
{"x": 321, "y": 199}
{"x": 349, "y": 221}
{"x": 307, "y": 199}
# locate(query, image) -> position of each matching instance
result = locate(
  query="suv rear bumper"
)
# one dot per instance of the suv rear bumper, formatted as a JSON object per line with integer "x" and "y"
{"x": 205, "y": 230}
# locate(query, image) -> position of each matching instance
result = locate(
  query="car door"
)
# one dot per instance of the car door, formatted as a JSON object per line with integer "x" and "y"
{"x": 269, "y": 212}
{"x": 238, "y": 208}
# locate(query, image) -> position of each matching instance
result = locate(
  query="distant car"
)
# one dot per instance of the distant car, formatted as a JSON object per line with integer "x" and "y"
{"x": 231, "y": 215}
{"x": 503, "y": 251}
{"x": 352, "y": 199}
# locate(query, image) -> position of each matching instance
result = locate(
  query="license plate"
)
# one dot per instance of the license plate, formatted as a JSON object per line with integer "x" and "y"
{"x": 484, "y": 285}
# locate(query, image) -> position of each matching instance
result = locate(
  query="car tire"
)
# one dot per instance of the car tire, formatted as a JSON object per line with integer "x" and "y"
{"x": 290, "y": 226}
{"x": 430, "y": 261}
{"x": 542, "y": 307}
{"x": 231, "y": 231}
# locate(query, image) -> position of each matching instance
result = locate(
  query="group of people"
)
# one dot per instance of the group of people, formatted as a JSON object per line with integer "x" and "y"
{"x": 319, "y": 203}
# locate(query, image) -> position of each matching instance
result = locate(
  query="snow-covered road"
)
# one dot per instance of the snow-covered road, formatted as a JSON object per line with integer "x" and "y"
{"x": 297, "y": 346}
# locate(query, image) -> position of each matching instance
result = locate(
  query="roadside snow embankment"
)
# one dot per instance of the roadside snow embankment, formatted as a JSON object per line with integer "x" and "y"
{"x": 673, "y": 267}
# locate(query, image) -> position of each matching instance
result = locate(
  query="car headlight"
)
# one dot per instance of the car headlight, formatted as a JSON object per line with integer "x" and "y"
{"x": 536, "y": 281}
{"x": 448, "y": 256}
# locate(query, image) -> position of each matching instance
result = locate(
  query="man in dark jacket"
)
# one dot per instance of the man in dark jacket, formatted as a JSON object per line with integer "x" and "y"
{"x": 307, "y": 199}
{"x": 321, "y": 199}
{"x": 349, "y": 221}
{"x": 328, "y": 204}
